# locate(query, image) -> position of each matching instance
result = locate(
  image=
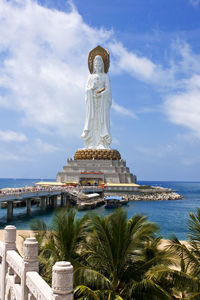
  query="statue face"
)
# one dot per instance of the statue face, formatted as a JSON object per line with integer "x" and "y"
{"x": 98, "y": 64}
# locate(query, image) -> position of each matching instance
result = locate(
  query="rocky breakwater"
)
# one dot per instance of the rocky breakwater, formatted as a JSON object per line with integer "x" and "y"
{"x": 149, "y": 193}
{"x": 154, "y": 193}
{"x": 155, "y": 196}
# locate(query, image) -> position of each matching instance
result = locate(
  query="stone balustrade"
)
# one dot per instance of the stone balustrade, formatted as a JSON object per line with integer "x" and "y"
{"x": 19, "y": 277}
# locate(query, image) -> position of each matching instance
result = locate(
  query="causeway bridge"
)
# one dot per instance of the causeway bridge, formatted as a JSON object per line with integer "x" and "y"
{"x": 48, "y": 197}
{"x": 45, "y": 198}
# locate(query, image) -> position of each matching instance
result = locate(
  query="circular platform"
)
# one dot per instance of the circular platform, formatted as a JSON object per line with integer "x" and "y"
{"x": 99, "y": 154}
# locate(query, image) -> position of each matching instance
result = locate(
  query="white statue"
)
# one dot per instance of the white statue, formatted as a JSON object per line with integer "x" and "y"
{"x": 96, "y": 132}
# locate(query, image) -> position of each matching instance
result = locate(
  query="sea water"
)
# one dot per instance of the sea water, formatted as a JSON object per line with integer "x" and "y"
{"x": 171, "y": 215}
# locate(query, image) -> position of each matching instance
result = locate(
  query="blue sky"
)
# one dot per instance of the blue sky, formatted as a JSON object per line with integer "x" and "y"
{"x": 155, "y": 78}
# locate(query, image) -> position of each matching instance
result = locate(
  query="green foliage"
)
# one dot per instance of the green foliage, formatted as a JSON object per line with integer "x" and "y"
{"x": 186, "y": 282}
{"x": 60, "y": 241}
{"x": 115, "y": 258}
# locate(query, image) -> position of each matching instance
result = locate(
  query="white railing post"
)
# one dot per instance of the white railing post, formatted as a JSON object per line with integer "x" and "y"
{"x": 30, "y": 263}
{"x": 9, "y": 244}
{"x": 62, "y": 281}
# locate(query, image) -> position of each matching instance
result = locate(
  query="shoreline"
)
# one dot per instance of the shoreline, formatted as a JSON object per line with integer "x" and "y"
{"x": 25, "y": 233}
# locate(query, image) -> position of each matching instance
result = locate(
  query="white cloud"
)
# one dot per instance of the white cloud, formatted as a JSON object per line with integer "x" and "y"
{"x": 184, "y": 109}
{"x": 12, "y": 136}
{"x": 44, "y": 147}
{"x": 194, "y": 2}
{"x": 29, "y": 151}
{"x": 38, "y": 147}
{"x": 130, "y": 62}
{"x": 186, "y": 61}
{"x": 45, "y": 66}
{"x": 122, "y": 110}
{"x": 140, "y": 67}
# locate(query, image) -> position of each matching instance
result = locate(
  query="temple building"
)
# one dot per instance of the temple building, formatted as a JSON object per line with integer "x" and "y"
{"x": 95, "y": 172}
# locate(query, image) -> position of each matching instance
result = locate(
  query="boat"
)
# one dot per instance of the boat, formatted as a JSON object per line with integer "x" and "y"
{"x": 124, "y": 201}
{"x": 112, "y": 202}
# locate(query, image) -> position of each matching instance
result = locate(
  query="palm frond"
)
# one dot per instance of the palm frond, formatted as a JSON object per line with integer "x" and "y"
{"x": 83, "y": 292}
{"x": 91, "y": 278}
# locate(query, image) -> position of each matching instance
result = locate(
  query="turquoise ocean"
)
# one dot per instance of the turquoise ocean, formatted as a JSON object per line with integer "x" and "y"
{"x": 171, "y": 215}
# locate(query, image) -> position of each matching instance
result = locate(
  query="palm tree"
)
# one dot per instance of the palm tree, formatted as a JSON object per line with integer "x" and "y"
{"x": 60, "y": 241}
{"x": 186, "y": 281}
{"x": 118, "y": 256}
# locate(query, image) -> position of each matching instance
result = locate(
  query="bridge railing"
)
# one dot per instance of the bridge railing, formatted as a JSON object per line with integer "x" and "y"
{"x": 19, "y": 277}
{"x": 28, "y": 194}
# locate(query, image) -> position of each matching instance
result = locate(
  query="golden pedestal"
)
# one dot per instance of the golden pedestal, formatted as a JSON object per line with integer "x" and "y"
{"x": 97, "y": 154}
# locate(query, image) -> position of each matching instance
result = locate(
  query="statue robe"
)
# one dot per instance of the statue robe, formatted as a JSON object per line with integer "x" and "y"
{"x": 96, "y": 131}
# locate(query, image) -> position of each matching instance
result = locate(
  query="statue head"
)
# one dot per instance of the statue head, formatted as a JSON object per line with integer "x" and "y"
{"x": 105, "y": 56}
{"x": 98, "y": 65}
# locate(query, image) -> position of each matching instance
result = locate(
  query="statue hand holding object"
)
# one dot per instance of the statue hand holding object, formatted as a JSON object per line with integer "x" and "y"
{"x": 100, "y": 91}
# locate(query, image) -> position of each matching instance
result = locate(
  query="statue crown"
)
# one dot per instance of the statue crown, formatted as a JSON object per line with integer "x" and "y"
{"x": 104, "y": 53}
